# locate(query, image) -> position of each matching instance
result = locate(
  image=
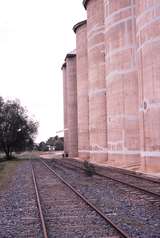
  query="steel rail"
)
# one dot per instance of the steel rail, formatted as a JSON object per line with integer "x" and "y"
{"x": 139, "y": 177}
{"x": 119, "y": 230}
{"x": 153, "y": 180}
{"x": 122, "y": 182}
{"x": 45, "y": 234}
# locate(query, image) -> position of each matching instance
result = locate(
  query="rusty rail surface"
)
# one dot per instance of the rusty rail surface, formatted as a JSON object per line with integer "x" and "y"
{"x": 108, "y": 220}
{"x": 39, "y": 204}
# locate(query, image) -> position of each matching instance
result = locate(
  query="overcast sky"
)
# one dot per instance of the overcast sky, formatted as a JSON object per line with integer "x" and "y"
{"x": 35, "y": 36}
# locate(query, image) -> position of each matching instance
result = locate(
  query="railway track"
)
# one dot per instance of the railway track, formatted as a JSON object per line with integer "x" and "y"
{"x": 147, "y": 185}
{"x": 136, "y": 211}
{"x": 65, "y": 212}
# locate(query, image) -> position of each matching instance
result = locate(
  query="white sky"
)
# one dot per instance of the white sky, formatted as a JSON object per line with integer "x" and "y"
{"x": 35, "y": 36}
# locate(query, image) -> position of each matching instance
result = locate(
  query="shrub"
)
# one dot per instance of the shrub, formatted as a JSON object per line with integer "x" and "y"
{"x": 88, "y": 168}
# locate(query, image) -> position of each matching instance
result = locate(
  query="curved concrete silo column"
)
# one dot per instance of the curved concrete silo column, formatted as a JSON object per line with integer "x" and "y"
{"x": 65, "y": 108}
{"x": 72, "y": 104}
{"x": 148, "y": 54}
{"x": 121, "y": 83}
{"x": 96, "y": 80}
{"x": 82, "y": 89}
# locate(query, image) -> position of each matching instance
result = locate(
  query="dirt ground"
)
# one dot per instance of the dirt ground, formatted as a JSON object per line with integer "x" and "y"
{"x": 7, "y": 170}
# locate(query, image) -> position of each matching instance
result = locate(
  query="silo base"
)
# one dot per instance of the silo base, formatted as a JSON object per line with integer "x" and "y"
{"x": 132, "y": 162}
{"x": 83, "y": 155}
{"x": 98, "y": 157}
{"x": 150, "y": 164}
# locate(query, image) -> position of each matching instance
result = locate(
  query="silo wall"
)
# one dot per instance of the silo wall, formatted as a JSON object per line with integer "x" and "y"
{"x": 72, "y": 105}
{"x": 82, "y": 89}
{"x": 96, "y": 80}
{"x": 121, "y": 83}
{"x": 65, "y": 105}
{"x": 148, "y": 55}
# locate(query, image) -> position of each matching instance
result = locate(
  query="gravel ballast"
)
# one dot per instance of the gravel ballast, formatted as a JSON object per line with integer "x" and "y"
{"x": 137, "y": 213}
{"x": 66, "y": 214}
{"x": 19, "y": 216}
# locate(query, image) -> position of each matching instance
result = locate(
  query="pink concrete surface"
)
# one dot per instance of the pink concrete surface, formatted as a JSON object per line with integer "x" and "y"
{"x": 118, "y": 66}
{"x": 65, "y": 109}
{"x": 72, "y": 105}
{"x": 121, "y": 81}
{"x": 82, "y": 89}
{"x": 148, "y": 56}
{"x": 96, "y": 79}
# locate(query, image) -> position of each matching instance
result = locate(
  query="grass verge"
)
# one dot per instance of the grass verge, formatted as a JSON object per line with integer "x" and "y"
{"x": 7, "y": 171}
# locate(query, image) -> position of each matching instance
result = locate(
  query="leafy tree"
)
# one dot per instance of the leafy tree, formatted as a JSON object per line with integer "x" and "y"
{"x": 51, "y": 141}
{"x": 17, "y": 130}
{"x": 56, "y": 142}
{"x": 43, "y": 146}
{"x": 59, "y": 145}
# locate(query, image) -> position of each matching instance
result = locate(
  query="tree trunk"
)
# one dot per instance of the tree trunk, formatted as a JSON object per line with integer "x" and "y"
{"x": 8, "y": 153}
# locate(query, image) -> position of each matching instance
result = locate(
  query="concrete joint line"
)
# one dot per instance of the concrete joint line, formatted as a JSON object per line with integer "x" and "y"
{"x": 148, "y": 24}
{"x": 108, "y": 19}
{"x": 96, "y": 46}
{"x": 111, "y": 77}
{"x": 97, "y": 152}
{"x": 97, "y": 92}
{"x": 118, "y": 152}
{"x": 83, "y": 151}
{"x": 119, "y": 22}
{"x": 124, "y": 152}
{"x": 150, "y": 153}
{"x": 97, "y": 147}
{"x": 95, "y": 35}
{"x": 153, "y": 40}
{"x": 154, "y": 105}
{"x": 118, "y": 142}
{"x": 95, "y": 29}
{"x": 124, "y": 116}
{"x": 153, "y": 8}
{"x": 119, "y": 50}
{"x": 126, "y": 36}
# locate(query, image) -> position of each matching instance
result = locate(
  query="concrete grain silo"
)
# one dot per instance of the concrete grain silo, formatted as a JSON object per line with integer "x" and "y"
{"x": 96, "y": 80}
{"x": 82, "y": 89}
{"x": 72, "y": 104}
{"x": 148, "y": 55}
{"x": 65, "y": 108}
{"x": 121, "y": 82}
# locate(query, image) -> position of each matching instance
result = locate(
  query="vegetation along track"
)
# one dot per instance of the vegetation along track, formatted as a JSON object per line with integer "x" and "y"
{"x": 65, "y": 212}
{"x": 145, "y": 184}
{"x": 135, "y": 211}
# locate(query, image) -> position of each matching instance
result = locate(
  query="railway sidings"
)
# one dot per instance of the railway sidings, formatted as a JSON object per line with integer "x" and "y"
{"x": 56, "y": 198}
{"x": 66, "y": 213}
{"x": 141, "y": 182}
{"x": 134, "y": 210}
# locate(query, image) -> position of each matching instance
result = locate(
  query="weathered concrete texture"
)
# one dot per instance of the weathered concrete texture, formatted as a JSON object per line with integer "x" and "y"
{"x": 82, "y": 89}
{"x": 72, "y": 105}
{"x": 148, "y": 55}
{"x": 96, "y": 78}
{"x": 119, "y": 96}
{"x": 121, "y": 81}
{"x": 65, "y": 109}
